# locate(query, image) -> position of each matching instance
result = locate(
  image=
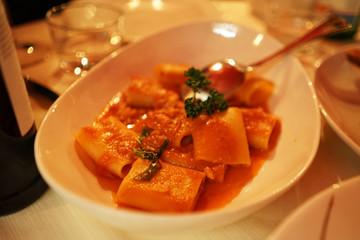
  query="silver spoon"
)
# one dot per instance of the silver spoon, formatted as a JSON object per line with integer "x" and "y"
{"x": 236, "y": 72}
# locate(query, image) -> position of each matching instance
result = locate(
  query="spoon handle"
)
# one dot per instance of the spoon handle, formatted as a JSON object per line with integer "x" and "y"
{"x": 331, "y": 26}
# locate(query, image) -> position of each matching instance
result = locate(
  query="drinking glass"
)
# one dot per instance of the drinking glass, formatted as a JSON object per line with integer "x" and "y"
{"x": 84, "y": 33}
{"x": 288, "y": 19}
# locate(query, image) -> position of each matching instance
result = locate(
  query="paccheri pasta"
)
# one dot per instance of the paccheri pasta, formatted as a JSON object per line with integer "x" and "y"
{"x": 169, "y": 162}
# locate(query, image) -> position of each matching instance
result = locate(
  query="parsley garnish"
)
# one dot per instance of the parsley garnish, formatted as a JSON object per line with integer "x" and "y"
{"x": 193, "y": 106}
{"x": 155, "y": 164}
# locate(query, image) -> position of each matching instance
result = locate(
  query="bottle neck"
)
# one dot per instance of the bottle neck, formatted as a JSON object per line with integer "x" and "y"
{"x": 15, "y": 100}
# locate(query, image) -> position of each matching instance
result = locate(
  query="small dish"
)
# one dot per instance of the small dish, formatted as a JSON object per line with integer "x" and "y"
{"x": 337, "y": 85}
{"x": 196, "y": 44}
{"x": 333, "y": 213}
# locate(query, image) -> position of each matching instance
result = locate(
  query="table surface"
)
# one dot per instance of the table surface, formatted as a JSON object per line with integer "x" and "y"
{"x": 51, "y": 217}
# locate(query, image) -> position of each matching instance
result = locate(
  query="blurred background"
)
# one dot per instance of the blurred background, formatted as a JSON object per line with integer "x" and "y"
{"x": 21, "y": 11}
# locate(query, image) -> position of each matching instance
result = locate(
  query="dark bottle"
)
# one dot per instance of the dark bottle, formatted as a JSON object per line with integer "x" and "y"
{"x": 20, "y": 181}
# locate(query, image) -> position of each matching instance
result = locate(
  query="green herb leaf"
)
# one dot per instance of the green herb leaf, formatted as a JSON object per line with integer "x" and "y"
{"x": 195, "y": 107}
{"x": 144, "y": 133}
{"x": 162, "y": 148}
{"x": 155, "y": 164}
{"x": 197, "y": 80}
{"x": 145, "y": 154}
{"x": 148, "y": 174}
{"x": 219, "y": 100}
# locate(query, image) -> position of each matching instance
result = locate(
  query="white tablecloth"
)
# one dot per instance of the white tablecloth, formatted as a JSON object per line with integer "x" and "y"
{"x": 51, "y": 217}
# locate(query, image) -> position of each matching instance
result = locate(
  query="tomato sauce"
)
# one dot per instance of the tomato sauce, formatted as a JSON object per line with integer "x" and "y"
{"x": 217, "y": 195}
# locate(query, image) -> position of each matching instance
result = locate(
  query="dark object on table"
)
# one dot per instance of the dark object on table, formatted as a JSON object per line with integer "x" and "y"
{"x": 20, "y": 180}
{"x": 21, "y": 11}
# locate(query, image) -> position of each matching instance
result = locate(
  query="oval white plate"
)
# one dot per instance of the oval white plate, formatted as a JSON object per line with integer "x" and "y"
{"x": 332, "y": 214}
{"x": 337, "y": 84}
{"x": 197, "y": 44}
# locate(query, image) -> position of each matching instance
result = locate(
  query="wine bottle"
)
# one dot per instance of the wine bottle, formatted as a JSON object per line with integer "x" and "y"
{"x": 20, "y": 181}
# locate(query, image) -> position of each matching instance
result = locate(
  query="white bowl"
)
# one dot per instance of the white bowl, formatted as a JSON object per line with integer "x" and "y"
{"x": 197, "y": 44}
